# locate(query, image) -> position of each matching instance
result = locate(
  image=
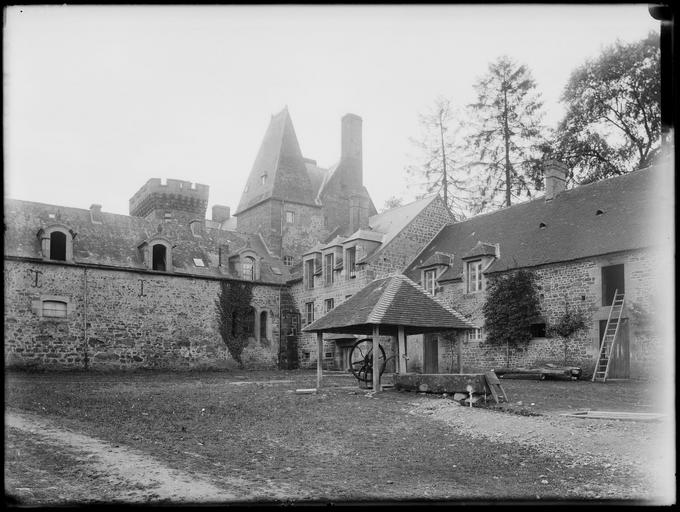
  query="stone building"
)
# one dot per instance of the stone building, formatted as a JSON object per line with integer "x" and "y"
{"x": 90, "y": 289}
{"x": 582, "y": 244}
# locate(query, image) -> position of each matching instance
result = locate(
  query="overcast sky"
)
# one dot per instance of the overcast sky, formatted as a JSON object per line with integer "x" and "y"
{"x": 100, "y": 99}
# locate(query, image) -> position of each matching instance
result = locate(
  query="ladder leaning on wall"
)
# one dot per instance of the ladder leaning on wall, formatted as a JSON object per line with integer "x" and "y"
{"x": 609, "y": 339}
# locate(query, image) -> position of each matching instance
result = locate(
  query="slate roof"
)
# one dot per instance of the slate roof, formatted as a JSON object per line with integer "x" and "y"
{"x": 573, "y": 229}
{"x": 280, "y": 158}
{"x": 115, "y": 240}
{"x": 390, "y": 302}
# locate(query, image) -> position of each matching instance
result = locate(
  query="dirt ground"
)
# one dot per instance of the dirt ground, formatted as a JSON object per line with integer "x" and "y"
{"x": 526, "y": 449}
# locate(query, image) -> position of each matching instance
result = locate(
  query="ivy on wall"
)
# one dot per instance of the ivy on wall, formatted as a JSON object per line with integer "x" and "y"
{"x": 511, "y": 306}
{"x": 234, "y": 314}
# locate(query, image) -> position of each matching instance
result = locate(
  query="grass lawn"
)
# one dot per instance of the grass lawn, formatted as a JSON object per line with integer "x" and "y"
{"x": 338, "y": 445}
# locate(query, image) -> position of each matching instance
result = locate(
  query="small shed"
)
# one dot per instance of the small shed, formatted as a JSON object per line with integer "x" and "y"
{"x": 393, "y": 306}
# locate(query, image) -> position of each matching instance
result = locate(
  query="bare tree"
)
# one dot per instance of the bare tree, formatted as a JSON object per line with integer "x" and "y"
{"x": 436, "y": 167}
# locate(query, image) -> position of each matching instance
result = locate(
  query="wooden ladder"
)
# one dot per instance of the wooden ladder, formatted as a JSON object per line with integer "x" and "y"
{"x": 609, "y": 339}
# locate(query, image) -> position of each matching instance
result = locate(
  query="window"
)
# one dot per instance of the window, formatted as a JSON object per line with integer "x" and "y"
{"x": 328, "y": 269}
{"x": 158, "y": 257}
{"x": 309, "y": 274}
{"x": 290, "y": 217}
{"x": 263, "y": 325}
{"x": 263, "y": 179}
{"x": 309, "y": 312}
{"x": 198, "y": 262}
{"x": 288, "y": 261}
{"x": 537, "y": 330}
{"x": 351, "y": 263}
{"x": 474, "y": 335}
{"x": 249, "y": 326}
{"x": 58, "y": 246}
{"x": 328, "y": 355}
{"x": 612, "y": 280}
{"x": 305, "y": 356}
{"x": 429, "y": 282}
{"x": 54, "y": 309}
{"x": 248, "y": 268}
{"x": 294, "y": 323}
{"x": 474, "y": 276}
{"x": 329, "y": 304}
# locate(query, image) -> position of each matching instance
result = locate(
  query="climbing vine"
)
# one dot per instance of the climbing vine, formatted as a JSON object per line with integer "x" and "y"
{"x": 511, "y": 306}
{"x": 235, "y": 316}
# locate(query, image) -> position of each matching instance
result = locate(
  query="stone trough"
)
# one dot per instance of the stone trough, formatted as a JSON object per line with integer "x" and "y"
{"x": 449, "y": 383}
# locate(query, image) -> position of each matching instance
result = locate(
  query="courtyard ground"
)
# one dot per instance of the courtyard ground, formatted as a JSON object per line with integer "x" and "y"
{"x": 155, "y": 437}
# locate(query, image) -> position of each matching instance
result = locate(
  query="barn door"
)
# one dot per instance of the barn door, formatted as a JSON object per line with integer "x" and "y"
{"x": 619, "y": 367}
{"x": 430, "y": 353}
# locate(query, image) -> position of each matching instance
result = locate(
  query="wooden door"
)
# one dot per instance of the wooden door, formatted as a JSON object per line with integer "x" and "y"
{"x": 619, "y": 368}
{"x": 430, "y": 353}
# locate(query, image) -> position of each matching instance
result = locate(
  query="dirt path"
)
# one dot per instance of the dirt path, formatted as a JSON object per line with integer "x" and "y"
{"x": 140, "y": 477}
{"x": 631, "y": 447}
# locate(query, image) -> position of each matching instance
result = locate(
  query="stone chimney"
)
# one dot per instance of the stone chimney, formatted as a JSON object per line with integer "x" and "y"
{"x": 351, "y": 151}
{"x": 555, "y": 175}
{"x": 220, "y": 213}
{"x": 96, "y": 213}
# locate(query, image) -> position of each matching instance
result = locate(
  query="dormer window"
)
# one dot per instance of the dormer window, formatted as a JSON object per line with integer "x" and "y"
{"x": 309, "y": 274}
{"x": 329, "y": 263}
{"x": 599, "y": 212}
{"x": 430, "y": 281}
{"x": 248, "y": 268}
{"x": 157, "y": 254}
{"x": 58, "y": 246}
{"x": 542, "y": 225}
{"x": 474, "y": 276}
{"x": 56, "y": 243}
{"x": 351, "y": 257}
{"x": 159, "y": 257}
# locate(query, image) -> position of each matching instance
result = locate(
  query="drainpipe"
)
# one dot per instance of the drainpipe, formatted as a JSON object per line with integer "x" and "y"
{"x": 280, "y": 328}
{"x": 85, "y": 356}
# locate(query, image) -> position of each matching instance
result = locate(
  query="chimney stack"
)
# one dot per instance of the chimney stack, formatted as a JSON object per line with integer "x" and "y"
{"x": 351, "y": 150}
{"x": 96, "y": 213}
{"x": 555, "y": 175}
{"x": 358, "y": 212}
{"x": 220, "y": 213}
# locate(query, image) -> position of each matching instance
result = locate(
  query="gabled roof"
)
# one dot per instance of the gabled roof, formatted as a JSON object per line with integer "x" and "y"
{"x": 480, "y": 249}
{"x": 281, "y": 161}
{"x": 389, "y": 303}
{"x": 438, "y": 258}
{"x": 628, "y": 219}
{"x": 114, "y": 240}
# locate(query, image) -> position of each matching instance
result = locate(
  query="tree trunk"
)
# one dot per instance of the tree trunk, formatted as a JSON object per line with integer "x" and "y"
{"x": 445, "y": 181}
{"x": 506, "y": 136}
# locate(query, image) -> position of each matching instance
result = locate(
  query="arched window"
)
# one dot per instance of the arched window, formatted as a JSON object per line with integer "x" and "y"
{"x": 250, "y": 322}
{"x": 58, "y": 246}
{"x": 263, "y": 325}
{"x": 158, "y": 257}
{"x": 248, "y": 268}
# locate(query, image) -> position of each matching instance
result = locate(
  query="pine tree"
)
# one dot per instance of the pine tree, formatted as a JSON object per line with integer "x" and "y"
{"x": 505, "y": 136}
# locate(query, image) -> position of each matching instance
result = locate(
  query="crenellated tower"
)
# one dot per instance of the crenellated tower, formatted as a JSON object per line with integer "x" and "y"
{"x": 175, "y": 199}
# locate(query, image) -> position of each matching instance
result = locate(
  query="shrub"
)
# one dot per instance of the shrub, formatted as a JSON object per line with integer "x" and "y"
{"x": 233, "y": 310}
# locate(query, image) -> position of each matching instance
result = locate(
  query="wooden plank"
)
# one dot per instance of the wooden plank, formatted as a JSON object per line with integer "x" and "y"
{"x": 401, "y": 355}
{"x": 494, "y": 384}
{"x": 319, "y": 359}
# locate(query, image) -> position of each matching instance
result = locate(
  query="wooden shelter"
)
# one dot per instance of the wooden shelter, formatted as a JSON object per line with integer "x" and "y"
{"x": 393, "y": 306}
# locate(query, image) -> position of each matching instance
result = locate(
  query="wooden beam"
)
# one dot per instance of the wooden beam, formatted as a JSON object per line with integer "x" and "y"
{"x": 401, "y": 354}
{"x": 376, "y": 362}
{"x": 319, "y": 359}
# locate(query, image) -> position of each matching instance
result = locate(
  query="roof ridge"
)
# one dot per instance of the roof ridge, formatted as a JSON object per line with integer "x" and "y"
{"x": 386, "y": 300}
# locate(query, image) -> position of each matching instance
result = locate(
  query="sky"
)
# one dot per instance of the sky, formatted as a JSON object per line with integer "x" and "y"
{"x": 99, "y": 99}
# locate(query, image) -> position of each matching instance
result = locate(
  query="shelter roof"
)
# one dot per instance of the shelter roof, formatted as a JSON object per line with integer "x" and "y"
{"x": 389, "y": 303}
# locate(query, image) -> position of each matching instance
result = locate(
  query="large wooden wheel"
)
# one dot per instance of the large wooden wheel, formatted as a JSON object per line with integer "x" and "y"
{"x": 361, "y": 360}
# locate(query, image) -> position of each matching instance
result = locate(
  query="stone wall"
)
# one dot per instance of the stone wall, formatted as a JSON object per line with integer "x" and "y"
{"x": 118, "y": 319}
{"x": 400, "y": 251}
{"x": 578, "y": 284}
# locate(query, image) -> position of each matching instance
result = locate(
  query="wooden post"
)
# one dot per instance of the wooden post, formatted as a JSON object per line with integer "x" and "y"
{"x": 376, "y": 362}
{"x": 395, "y": 348}
{"x": 402, "y": 350}
{"x": 319, "y": 359}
